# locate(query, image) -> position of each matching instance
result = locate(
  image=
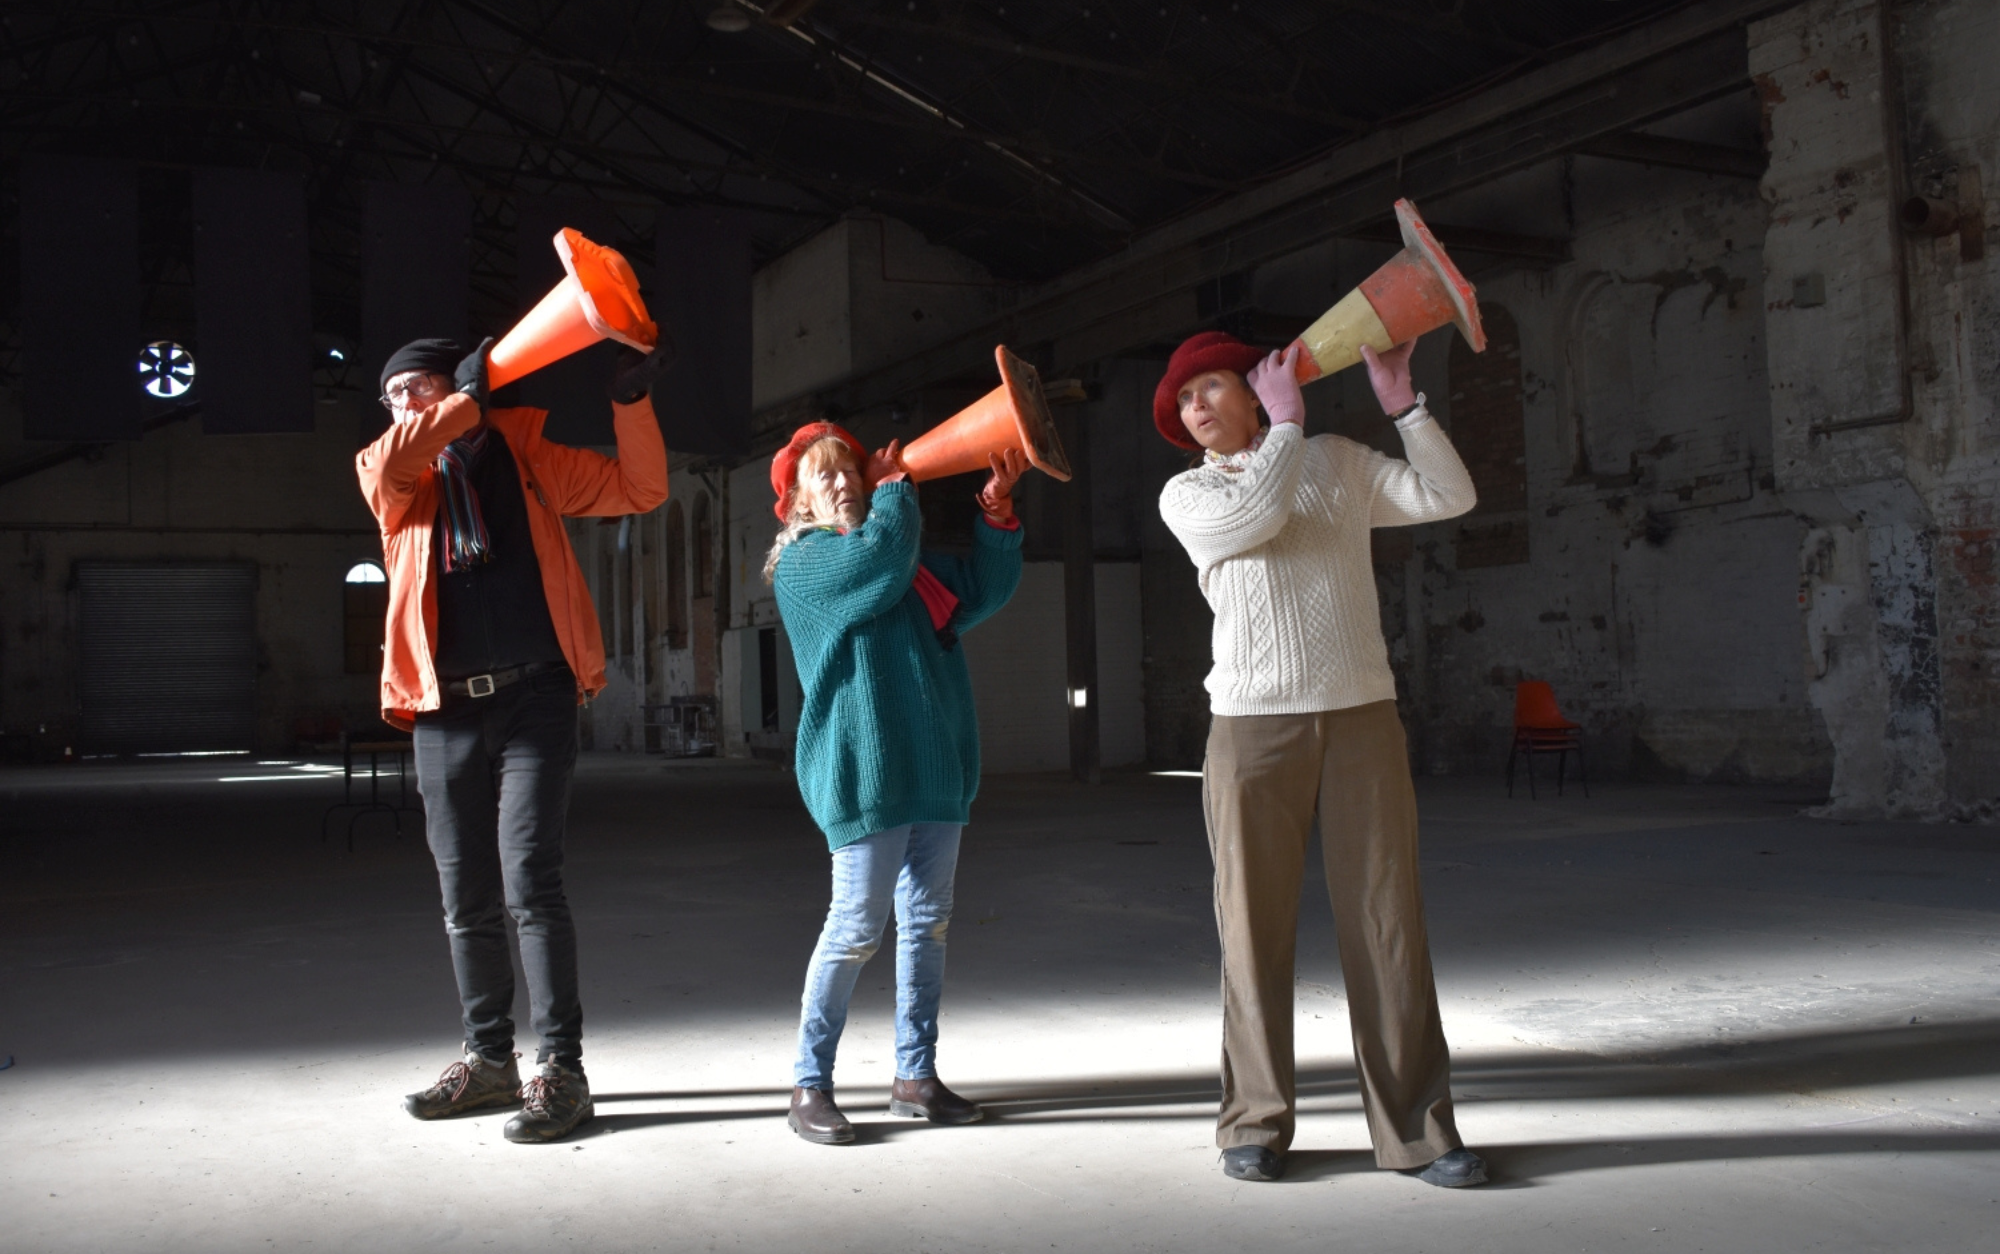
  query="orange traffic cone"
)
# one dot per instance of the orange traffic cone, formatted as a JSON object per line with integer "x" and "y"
{"x": 598, "y": 299}
{"x": 1013, "y": 415}
{"x": 1415, "y": 291}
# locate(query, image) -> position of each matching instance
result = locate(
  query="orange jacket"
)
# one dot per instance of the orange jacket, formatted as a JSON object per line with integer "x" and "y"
{"x": 399, "y": 479}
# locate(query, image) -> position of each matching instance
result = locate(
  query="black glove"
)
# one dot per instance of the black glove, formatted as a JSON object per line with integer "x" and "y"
{"x": 470, "y": 377}
{"x": 636, "y": 370}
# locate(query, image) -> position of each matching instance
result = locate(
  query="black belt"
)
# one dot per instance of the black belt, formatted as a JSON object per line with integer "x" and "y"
{"x": 493, "y": 681}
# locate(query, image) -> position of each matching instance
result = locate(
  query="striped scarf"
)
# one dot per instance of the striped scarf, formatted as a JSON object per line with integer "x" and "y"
{"x": 465, "y": 541}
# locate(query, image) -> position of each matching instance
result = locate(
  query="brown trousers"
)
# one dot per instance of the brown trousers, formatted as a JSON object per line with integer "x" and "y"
{"x": 1264, "y": 776}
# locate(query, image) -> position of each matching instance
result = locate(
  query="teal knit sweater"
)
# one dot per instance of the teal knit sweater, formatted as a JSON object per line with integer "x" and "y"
{"x": 887, "y": 733}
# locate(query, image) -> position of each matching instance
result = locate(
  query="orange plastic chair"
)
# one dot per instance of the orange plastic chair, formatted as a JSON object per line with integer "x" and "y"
{"x": 1539, "y": 727}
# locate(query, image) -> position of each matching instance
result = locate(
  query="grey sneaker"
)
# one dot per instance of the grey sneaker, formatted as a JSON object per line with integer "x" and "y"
{"x": 554, "y": 1101}
{"x": 472, "y": 1083}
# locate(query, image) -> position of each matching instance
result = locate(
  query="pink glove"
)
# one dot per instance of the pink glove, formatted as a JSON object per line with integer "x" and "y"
{"x": 1277, "y": 386}
{"x": 1390, "y": 373}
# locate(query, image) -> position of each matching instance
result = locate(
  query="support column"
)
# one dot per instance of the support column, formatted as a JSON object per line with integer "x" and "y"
{"x": 1079, "y": 597}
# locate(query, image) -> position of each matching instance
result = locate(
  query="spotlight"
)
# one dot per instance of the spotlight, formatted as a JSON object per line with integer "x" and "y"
{"x": 728, "y": 19}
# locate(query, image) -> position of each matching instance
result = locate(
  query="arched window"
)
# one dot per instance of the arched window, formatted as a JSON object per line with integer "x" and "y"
{"x": 674, "y": 613}
{"x": 1610, "y": 371}
{"x": 704, "y": 548}
{"x": 364, "y": 610}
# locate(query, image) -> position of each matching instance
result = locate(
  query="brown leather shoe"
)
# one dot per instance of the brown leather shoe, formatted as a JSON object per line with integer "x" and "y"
{"x": 930, "y": 1099}
{"x": 815, "y": 1118}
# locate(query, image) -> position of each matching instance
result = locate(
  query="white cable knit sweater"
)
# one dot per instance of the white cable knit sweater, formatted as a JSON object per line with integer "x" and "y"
{"x": 1280, "y": 538}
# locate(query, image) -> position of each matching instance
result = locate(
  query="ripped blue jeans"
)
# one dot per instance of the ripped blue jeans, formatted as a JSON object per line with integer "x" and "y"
{"x": 912, "y": 868}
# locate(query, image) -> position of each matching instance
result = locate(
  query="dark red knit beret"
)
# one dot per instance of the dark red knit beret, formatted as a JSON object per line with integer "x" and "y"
{"x": 1198, "y": 354}
{"x": 785, "y": 466}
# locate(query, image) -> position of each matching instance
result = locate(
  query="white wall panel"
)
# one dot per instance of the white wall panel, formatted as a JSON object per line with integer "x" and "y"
{"x": 1019, "y": 673}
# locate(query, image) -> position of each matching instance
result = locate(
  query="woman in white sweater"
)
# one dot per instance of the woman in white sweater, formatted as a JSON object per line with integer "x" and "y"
{"x": 1305, "y": 720}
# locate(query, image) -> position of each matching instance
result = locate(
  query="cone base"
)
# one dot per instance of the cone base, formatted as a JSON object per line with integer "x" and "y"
{"x": 609, "y": 291}
{"x": 1031, "y": 416}
{"x": 1417, "y": 239}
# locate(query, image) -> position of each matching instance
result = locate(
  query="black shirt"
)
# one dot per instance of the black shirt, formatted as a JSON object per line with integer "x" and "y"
{"x": 496, "y": 614}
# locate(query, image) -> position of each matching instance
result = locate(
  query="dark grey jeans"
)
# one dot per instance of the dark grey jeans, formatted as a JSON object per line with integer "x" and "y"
{"x": 494, "y": 774}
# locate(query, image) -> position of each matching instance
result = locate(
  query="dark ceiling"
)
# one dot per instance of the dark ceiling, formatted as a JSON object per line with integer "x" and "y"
{"x": 1032, "y": 135}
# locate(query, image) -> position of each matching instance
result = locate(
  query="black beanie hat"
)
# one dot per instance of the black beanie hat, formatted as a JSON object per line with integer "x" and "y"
{"x": 430, "y": 356}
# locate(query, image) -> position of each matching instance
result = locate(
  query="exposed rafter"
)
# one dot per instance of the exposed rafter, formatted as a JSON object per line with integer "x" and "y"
{"x": 1148, "y": 292}
{"x": 1036, "y": 142}
{"x": 957, "y": 32}
{"x": 1679, "y": 154}
{"x": 923, "y": 102}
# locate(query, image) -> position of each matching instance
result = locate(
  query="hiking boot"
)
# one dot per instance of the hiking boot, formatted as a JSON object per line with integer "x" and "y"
{"x": 472, "y": 1083}
{"x": 553, "y": 1102}
{"x": 1460, "y": 1169}
{"x": 930, "y": 1099}
{"x": 814, "y": 1117}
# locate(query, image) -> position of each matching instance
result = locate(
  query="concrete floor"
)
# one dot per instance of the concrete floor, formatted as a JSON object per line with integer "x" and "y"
{"x": 1682, "y": 1019}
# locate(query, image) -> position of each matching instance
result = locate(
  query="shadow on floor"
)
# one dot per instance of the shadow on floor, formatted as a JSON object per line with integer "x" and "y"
{"x": 1525, "y": 1164}
{"x": 1799, "y": 1062}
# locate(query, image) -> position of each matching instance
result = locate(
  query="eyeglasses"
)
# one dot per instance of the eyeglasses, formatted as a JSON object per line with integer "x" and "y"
{"x": 418, "y": 386}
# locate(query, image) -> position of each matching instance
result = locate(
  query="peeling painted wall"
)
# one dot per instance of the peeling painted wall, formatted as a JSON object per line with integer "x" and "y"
{"x": 1656, "y": 587}
{"x": 1882, "y": 410}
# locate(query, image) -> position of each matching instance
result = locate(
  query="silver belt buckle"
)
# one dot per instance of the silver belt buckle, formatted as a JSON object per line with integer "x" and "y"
{"x": 479, "y": 686}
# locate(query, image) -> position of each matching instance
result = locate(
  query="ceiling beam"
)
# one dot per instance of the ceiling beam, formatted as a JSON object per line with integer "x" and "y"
{"x": 1679, "y": 154}
{"x": 905, "y": 94}
{"x": 1147, "y": 292}
{"x": 1540, "y": 250}
{"x": 1410, "y": 17}
{"x": 785, "y": 12}
{"x": 959, "y": 34}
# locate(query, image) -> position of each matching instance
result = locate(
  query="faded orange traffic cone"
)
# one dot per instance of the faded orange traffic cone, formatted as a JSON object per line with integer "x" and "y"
{"x": 598, "y": 299}
{"x": 1013, "y": 415}
{"x": 1417, "y": 290}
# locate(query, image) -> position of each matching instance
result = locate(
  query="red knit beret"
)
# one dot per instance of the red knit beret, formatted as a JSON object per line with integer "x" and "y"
{"x": 1198, "y": 354}
{"x": 785, "y": 466}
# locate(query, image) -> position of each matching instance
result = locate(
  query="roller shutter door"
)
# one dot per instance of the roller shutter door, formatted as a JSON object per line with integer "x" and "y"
{"x": 169, "y": 656}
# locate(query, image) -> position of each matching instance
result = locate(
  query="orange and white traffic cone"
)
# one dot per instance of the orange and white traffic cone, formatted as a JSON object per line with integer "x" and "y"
{"x": 1417, "y": 290}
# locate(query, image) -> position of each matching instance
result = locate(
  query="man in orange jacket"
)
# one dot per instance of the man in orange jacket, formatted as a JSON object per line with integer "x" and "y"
{"x": 492, "y": 643}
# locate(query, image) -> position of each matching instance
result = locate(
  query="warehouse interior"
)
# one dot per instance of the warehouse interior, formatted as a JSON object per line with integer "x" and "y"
{"x": 1734, "y": 440}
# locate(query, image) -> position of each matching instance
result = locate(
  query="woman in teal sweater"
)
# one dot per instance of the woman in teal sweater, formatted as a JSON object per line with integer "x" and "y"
{"x": 888, "y": 744}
